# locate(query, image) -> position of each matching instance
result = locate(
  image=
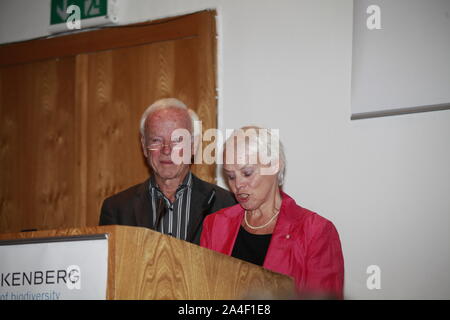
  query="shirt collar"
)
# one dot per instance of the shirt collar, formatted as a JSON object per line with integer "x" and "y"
{"x": 187, "y": 183}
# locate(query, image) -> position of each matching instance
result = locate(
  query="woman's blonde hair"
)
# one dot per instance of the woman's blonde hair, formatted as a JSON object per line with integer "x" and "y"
{"x": 260, "y": 140}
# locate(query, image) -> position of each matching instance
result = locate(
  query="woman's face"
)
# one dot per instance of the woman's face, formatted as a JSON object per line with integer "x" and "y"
{"x": 252, "y": 189}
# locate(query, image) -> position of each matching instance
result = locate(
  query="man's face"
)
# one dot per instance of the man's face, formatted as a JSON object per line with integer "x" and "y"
{"x": 158, "y": 129}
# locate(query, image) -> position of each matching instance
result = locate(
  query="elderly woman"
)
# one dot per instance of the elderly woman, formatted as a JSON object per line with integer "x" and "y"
{"x": 267, "y": 227}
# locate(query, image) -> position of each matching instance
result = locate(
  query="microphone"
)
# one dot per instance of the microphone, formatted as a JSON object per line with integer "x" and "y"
{"x": 207, "y": 206}
{"x": 210, "y": 203}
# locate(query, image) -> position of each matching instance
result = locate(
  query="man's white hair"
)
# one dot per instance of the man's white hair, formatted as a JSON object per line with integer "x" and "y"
{"x": 166, "y": 104}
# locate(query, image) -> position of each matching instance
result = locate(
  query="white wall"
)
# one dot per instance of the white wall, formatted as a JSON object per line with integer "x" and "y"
{"x": 384, "y": 182}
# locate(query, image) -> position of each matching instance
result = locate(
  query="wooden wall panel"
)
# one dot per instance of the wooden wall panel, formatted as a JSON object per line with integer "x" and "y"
{"x": 37, "y": 154}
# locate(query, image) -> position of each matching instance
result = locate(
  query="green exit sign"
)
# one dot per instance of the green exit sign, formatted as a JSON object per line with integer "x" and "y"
{"x": 88, "y": 9}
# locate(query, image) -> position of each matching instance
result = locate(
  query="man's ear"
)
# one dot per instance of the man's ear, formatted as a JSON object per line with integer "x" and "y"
{"x": 144, "y": 147}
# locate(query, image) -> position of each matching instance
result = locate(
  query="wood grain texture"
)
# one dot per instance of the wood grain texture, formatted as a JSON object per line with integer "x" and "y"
{"x": 144, "y": 264}
{"x": 81, "y": 143}
{"x": 37, "y": 154}
{"x": 175, "y": 269}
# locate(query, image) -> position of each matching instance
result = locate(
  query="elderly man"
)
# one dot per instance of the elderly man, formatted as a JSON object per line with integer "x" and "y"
{"x": 173, "y": 200}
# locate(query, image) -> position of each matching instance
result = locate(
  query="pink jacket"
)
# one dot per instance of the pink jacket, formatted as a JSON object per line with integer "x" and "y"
{"x": 304, "y": 246}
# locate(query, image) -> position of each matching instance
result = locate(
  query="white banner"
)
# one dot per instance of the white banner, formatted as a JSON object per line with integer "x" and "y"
{"x": 70, "y": 268}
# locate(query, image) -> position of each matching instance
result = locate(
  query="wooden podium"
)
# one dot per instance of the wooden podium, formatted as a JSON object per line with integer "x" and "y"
{"x": 144, "y": 264}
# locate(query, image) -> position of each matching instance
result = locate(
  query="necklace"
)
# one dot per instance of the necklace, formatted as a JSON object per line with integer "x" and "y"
{"x": 264, "y": 225}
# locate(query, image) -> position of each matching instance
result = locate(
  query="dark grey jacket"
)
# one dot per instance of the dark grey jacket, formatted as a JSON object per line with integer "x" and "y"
{"x": 132, "y": 207}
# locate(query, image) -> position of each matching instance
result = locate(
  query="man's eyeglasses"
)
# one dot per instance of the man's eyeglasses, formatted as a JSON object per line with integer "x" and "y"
{"x": 157, "y": 144}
